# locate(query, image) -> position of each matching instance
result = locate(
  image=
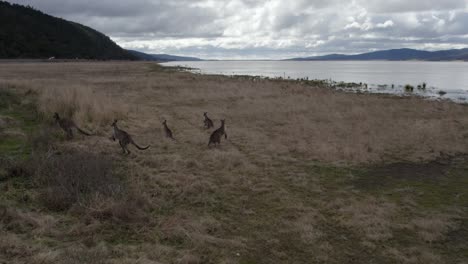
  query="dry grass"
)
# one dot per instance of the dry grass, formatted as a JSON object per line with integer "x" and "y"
{"x": 433, "y": 227}
{"x": 82, "y": 104}
{"x": 254, "y": 199}
{"x": 276, "y": 117}
{"x": 368, "y": 216}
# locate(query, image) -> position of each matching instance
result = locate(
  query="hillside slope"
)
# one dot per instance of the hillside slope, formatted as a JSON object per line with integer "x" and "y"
{"x": 29, "y": 33}
{"x": 161, "y": 57}
{"x": 397, "y": 55}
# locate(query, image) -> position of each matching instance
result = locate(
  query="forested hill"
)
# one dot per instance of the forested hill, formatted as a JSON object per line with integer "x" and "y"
{"x": 396, "y": 55}
{"x": 26, "y": 33}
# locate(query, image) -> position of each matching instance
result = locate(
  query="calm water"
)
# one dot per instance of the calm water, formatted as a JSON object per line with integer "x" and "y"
{"x": 450, "y": 77}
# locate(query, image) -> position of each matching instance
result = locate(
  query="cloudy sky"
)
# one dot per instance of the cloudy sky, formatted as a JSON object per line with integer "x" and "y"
{"x": 274, "y": 29}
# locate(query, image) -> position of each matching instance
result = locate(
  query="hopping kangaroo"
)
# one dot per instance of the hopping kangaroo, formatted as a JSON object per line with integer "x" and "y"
{"x": 208, "y": 122}
{"x": 67, "y": 125}
{"x": 215, "y": 137}
{"x": 124, "y": 139}
{"x": 167, "y": 130}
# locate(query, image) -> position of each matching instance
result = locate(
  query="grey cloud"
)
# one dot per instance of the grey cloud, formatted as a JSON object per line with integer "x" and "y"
{"x": 398, "y": 6}
{"x": 107, "y": 8}
{"x": 161, "y": 18}
{"x": 269, "y": 29}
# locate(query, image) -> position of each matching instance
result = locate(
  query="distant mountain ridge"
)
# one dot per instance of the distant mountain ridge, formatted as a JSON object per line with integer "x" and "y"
{"x": 26, "y": 33}
{"x": 396, "y": 55}
{"x": 161, "y": 57}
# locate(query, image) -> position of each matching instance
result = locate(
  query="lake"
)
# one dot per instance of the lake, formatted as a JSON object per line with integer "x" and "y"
{"x": 380, "y": 76}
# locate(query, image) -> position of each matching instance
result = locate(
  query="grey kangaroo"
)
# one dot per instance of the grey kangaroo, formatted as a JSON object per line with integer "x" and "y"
{"x": 208, "y": 122}
{"x": 124, "y": 139}
{"x": 167, "y": 130}
{"x": 67, "y": 125}
{"x": 215, "y": 137}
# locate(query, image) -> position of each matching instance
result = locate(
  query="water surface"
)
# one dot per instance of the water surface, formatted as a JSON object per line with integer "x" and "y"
{"x": 380, "y": 76}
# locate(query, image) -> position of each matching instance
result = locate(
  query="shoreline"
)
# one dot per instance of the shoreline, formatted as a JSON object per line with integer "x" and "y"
{"x": 430, "y": 93}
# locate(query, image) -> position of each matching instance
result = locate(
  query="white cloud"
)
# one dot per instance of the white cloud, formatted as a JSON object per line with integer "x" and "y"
{"x": 386, "y": 24}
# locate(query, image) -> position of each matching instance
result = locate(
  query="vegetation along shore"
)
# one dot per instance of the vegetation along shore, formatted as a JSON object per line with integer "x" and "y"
{"x": 301, "y": 174}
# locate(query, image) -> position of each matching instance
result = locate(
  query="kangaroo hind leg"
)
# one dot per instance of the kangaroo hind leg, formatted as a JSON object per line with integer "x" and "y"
{"x": 124, "y": 149}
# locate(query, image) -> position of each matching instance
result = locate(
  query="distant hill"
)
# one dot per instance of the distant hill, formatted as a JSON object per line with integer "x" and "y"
{"x": 161, "y": 57}
{"x": 28, "y": 33}
{"x": 396, "y": 55}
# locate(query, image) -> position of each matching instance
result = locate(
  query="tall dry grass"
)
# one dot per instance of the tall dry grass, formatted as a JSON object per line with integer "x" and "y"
{"x": 254, "y": 199}
{"x": 67, "y": 92}
{"x": 271, "y": 118}
{"x": 92, "y": 108}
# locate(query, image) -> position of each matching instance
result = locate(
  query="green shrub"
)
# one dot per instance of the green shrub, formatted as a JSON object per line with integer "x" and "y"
{"x": 422, "y": 86}
{"x": 409, "y": 88}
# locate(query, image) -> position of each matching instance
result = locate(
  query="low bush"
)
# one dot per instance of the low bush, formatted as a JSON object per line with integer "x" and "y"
{"x": 73, "y": 178}
{"x": 409, "y": 88}
{"x": 42, "y": 140}
{"x": 86, "y": 184}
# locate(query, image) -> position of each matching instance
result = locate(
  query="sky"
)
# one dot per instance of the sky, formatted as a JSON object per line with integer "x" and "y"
{"x": 274, "y": 29}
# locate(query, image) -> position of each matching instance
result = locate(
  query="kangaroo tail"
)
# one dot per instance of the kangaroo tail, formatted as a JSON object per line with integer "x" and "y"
{"x": 138, "y": 147}
{"x": 82, "y": 131}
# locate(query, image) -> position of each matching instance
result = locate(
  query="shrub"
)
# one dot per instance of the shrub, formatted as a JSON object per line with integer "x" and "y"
{"x": 82, "y": 182}
{"x": 422, "y": 86}
{"x": 73, "y": 178}
{"x": 409, "y": 88}
{"x": 42, "y": 140}
{"x": 14, "y": 168}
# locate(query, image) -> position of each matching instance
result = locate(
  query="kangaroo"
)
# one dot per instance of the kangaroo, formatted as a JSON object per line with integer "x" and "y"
{"x": 124, "y": 139}
{"x": 208, "y": 122}
{"x": 215, "y": 137}
{"x": 67, "y": 125}
{"x": 167, "y": 130}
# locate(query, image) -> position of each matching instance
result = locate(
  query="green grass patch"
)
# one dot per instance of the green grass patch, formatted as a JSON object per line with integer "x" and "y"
{"x": 13, "y": 146}
{"x": 432, "y": 185}
{"x": 7, "y": 99}
{"x": 20, "y": 118}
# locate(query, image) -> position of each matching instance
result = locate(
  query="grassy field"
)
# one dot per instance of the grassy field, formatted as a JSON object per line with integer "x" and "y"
{"x": 307, "y": 174}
